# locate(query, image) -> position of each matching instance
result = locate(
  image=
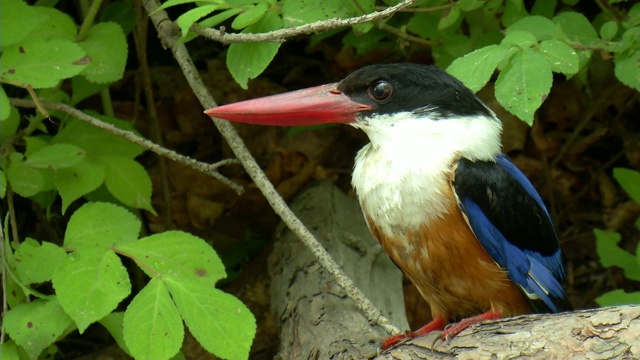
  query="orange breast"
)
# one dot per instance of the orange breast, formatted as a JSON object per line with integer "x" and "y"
{"x": 452, "y": 271}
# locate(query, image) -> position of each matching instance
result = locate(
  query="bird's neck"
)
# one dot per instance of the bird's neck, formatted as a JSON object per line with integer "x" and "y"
{"x": 402, "y": 177}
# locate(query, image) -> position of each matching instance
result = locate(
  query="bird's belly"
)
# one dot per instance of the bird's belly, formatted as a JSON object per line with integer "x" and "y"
{"x": 452, "y": 271}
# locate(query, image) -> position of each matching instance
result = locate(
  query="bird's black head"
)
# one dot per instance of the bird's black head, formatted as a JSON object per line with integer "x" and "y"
{"x": 420, "y": 89}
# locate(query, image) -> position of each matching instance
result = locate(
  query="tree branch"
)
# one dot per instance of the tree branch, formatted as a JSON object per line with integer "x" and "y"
{"x": 208, "y": 169}
{"x": 281, "y": 34}
{"x": 169, "y": 35}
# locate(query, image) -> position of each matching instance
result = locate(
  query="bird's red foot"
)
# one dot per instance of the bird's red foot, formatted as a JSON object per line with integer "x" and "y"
{"x": 455, "y": 329}
{"x": 436, "y": 324}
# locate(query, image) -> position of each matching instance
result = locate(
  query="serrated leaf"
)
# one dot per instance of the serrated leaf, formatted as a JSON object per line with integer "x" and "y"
{"x": 514, "y": 10}
{"x": 43, "y": 63}
{"x": 630, "y": 182}
{"x": 35, "y": 262}
{"x": 101, "y": 224}
{"x": 114, "y": 325}
{"x": 524, "y": 83}
{"x": 475, "y": 69}
{"x": 300, "y": 12}
{"x": 78, "y": 180}
{"x": 540, "y": 27}
{"x": 90, "y": 284}
{"x": 152, "y": 325}
{"x": 450, "y": 19}
{"x": 248, "y": 60}
{"x": 58, "y": 25}
{"x": 15, "y": 28}
{"x": 36, "y": 325}
{"x": 561, "y": 57}
{"x": 187, "y": 19}
{"x": 221, "y": 323}
{"x": 107, "y": 46}
{"x": 24, "y": 180}
{"x": 627, "y": 69}
{"x": 176, "y": 254}
{"x": 128, "y": 181}
{"x": 34, "y": 144}
{"x": 618, "y": 297}
{"x": 521, "y": 39}
{"x": 56, "y": 156}
{"x": 612, "y": 255}
{"x": 97, "y": 142}
{"x": 609, "y": 30}
{"x": 250, "y": 16}
{"x": 576, "y": 27}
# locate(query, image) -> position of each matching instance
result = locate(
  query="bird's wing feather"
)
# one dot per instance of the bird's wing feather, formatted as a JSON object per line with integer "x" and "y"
{"x": 511, "y": 222}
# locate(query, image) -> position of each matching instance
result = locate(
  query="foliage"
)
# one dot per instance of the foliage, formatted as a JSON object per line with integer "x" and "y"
{"x": 472, "y": 38}
{"x": 44, "y": 49}
{"x": 609, "y": 251}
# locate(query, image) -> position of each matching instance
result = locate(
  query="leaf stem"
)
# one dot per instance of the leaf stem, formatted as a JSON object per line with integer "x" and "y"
{"x": 89, "y": 18}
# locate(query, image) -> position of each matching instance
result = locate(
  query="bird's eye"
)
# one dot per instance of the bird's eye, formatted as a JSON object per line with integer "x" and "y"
{"x": 380, "y": 90}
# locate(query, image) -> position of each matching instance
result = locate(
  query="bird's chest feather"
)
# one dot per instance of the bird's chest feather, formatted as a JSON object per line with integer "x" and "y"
{"x": 411, "y": 209}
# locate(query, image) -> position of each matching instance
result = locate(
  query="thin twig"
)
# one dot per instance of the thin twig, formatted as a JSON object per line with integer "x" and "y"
{"x": 281, "y": 34}
{"x": 208, "y": 169}
{"x": 169, "y": 35}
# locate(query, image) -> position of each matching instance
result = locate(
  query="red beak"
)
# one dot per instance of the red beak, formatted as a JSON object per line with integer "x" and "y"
{"x": 316, "y": 105}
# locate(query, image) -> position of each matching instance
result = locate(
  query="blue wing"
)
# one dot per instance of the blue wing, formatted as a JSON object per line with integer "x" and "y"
{"x": 512, "y": 223}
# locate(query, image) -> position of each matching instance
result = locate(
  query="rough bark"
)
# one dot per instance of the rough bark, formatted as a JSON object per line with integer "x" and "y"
{"x": 318, "y": 321}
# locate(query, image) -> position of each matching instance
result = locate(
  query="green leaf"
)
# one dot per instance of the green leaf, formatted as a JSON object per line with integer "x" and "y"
{"x": 618, "y": 297}
{"x": 250, "y": 16}
{"x": 97, "y": 142}
{"x": 221, "y": 323}
{"x": 470, "y": 5}
{"x": 630, "y": 182}
{"x": 24, "y": 180}
{"x": 58, "y": 25}
{"x": 15, "y": 28}
{"x": 220, "y": 17}
{"x": 101, "y": 224}
{"x": 300, "y": 12}
{"x": 577, "y": 27}
{"x": 152, "y": 325}
{"x": 176, "y": 254}
{"x": 9, "y": 126}
{"x": 81, "y": 88}
{"x": 450, "y": 19}
{"x": 107, "y": 46}
{"x": 544, "y": 8}
{"x": 520, "y": 39}
{"x": 3, "y": 185}
{"x": 128, "y": 181}
{"x": 540, "y": 27}
{"x": 114, "y": 324}
{"x": 524, "y": 83}
{"x": 9, "y": 350}
{"x": 36, "y": 325}
{"x": 170, "y": 3}
{"x": 609, "y": 30}
{"x": 56, "y": 156}
{"x": 90, "y": 284}
{"x": 34, "y": 144}
{"x": 187, "y": 19}
{"x": 475, "y": 69}
{"x": 612, "y": 255}
{"x": 78, "y": 180}
{"x": 248, "y": 60}
{"x": 35, "y": 263}
{"x": 43, "y": 63}
{"x": 627, "y": 69}
{"x": 121, "y": 13}
{"x": 561, "y": 57}
{"x": 5, "y": 106}
{"x": 514, "y": 10}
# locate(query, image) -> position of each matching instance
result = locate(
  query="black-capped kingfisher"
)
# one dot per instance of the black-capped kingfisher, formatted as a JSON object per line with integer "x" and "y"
{"x": 460, "y": 220}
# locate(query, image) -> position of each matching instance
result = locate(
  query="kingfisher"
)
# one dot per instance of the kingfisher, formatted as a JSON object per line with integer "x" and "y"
{"x": 462, "y": 222}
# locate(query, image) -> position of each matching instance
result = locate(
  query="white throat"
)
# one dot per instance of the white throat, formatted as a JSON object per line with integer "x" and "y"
{"x": 400, "y": 177}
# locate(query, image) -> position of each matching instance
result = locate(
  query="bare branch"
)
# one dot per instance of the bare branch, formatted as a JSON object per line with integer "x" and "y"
{"x": 281, "y": 34}
{"x": 208, "y": 169}
{"x": 169, "y": 34}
